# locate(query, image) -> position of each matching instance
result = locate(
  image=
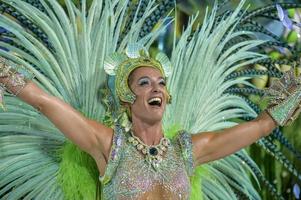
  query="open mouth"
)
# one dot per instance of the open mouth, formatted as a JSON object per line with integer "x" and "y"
{"x": 156, "y": 101}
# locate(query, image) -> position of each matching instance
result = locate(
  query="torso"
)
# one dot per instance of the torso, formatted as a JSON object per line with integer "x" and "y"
{"x": 130, "y": 176}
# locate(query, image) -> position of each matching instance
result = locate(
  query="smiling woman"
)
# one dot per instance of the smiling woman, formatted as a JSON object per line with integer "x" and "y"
{"x": 151, "y": 95}
{"x": 140, "y": 163}
{"x": 135, "y": 157}
{"x": 150, "y": 166}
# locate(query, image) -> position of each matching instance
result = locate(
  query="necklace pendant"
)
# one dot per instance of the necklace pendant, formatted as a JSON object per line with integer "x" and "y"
{"x": 153, "y": 154}
{"x": 153, "y": 151}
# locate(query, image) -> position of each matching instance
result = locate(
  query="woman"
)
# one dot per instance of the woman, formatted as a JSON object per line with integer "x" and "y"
{"x": 138, "y": 163}
{"x": 147, "y": 81}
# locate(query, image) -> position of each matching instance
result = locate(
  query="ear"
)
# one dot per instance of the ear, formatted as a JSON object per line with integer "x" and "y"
{"x": 169, "y": 98}
{"x": 168, "y": 101}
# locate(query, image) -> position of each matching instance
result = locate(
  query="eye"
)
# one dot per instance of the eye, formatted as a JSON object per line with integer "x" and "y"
{"x": 143, "y": 82}
{"x": 162, "y": 82}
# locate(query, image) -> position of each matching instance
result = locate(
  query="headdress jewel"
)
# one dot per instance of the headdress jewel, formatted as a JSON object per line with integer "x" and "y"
{"x": 120, "y": 65}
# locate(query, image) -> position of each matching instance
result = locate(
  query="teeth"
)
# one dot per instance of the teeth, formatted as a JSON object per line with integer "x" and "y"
{"x": 156, "y": 99}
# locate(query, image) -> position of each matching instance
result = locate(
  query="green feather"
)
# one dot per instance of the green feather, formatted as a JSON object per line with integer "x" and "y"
{"x": 78, "y": 174}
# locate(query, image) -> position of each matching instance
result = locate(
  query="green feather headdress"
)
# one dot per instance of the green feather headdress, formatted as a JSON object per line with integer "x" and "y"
{"x": 121, "y": 65}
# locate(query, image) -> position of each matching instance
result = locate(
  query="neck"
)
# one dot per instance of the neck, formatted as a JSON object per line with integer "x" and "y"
{"x": 150, "y": 134}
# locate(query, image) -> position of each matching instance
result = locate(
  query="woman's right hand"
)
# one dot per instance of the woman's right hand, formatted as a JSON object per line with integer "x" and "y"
{"x": 10, "y": 80}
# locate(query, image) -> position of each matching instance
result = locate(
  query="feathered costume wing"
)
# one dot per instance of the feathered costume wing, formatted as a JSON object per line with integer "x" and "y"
{"x": 66, "y": 52}
{"x": 69, "y": 66}
{"x": 200, "y": 69}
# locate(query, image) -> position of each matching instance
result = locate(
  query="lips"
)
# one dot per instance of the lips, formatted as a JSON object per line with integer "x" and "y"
{"x": 155, "y": 101}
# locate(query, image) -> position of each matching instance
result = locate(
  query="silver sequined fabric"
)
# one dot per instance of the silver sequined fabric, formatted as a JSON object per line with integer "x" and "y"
{"x": 129, "y": 176}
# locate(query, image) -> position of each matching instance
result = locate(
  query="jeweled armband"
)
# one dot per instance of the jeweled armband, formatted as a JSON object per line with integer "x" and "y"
{"x": 11, "y": 79}
{"x": 285, "y": 98}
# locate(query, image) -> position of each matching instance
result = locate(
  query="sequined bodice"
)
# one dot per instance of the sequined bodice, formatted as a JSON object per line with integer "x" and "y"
{"x": 131, "y": 177}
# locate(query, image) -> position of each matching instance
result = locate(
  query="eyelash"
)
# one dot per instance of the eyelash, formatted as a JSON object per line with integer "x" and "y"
{"x": 143, "y": 82}
{"x": 146, "y": 82}
{"x": 162, "y": 83}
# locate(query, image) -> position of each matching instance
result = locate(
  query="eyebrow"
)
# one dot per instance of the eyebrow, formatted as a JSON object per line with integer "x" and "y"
{"x": 161, "y": 77}
{"x": 143, "y": 77}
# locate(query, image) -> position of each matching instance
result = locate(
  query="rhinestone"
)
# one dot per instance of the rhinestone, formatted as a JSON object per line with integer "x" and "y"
{"x": 131, "y": 139}
{"x": 163, "y": 148}
{"x": 144, "y": 151}
{"x": 139, "y": 147}
{"x": 159, "y": 158}
{"x": 153, "y": 151}
{"x": 114, "y": 155}
{"x": 165, "y": 142}
{"x": 118, "y": 142}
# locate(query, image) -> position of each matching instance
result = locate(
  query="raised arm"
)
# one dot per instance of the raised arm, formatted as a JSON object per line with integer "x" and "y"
{"x": 211, "y": 146}
{"x": 284, "y": 107}
{"x": 90, "y": 136}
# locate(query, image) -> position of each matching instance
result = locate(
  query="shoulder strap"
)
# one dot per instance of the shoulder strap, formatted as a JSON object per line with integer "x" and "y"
{"x": 185, "y": 142}
{"x": 115, "y": 154}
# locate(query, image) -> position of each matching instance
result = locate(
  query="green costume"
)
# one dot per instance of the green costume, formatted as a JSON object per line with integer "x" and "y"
{"x": 36, "y": 159}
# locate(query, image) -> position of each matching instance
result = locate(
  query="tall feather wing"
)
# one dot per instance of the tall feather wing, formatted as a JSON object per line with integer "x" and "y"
{"x": 201, "y": 66}
{"x": 71, "y": 69}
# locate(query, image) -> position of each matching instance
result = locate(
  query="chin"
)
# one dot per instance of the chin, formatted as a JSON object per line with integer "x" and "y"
{"x": 156, "y": 117}
{"x": 148, "y": 114}
{"x": 152, "y": 117}
{"x": 154, "y": 120}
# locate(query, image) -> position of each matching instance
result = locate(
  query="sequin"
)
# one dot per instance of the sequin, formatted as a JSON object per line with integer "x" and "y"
{"x": 285, "y": 98}
{"x": 130, "y": 176}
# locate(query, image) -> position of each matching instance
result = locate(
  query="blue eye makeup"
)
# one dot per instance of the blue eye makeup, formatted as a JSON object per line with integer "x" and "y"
{"x": 143, "y": 81}
{"x": 162, "y": 82}
{"x": 147, "y": 81}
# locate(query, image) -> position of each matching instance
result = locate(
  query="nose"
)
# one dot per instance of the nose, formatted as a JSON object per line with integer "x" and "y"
{"x": 156, "y": 88}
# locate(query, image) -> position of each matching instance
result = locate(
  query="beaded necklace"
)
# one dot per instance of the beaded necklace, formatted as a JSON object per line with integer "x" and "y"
{"x": 154, "y": 153}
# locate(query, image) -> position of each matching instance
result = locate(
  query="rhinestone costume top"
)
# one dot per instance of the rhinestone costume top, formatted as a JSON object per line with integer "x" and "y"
{"x": 129, "y": 176}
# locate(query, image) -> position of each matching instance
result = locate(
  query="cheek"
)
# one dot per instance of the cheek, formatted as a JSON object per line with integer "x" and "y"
{"x": 140, "y": 98}
{"x": 140, "y": 93}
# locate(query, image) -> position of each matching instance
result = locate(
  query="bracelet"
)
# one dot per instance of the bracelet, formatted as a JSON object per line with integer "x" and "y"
{"x": 13, "y": 81}
{"x": 285, "y": 98}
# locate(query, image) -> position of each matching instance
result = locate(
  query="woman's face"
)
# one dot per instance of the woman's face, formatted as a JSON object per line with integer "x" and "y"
{"x": 148, "y": 85}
